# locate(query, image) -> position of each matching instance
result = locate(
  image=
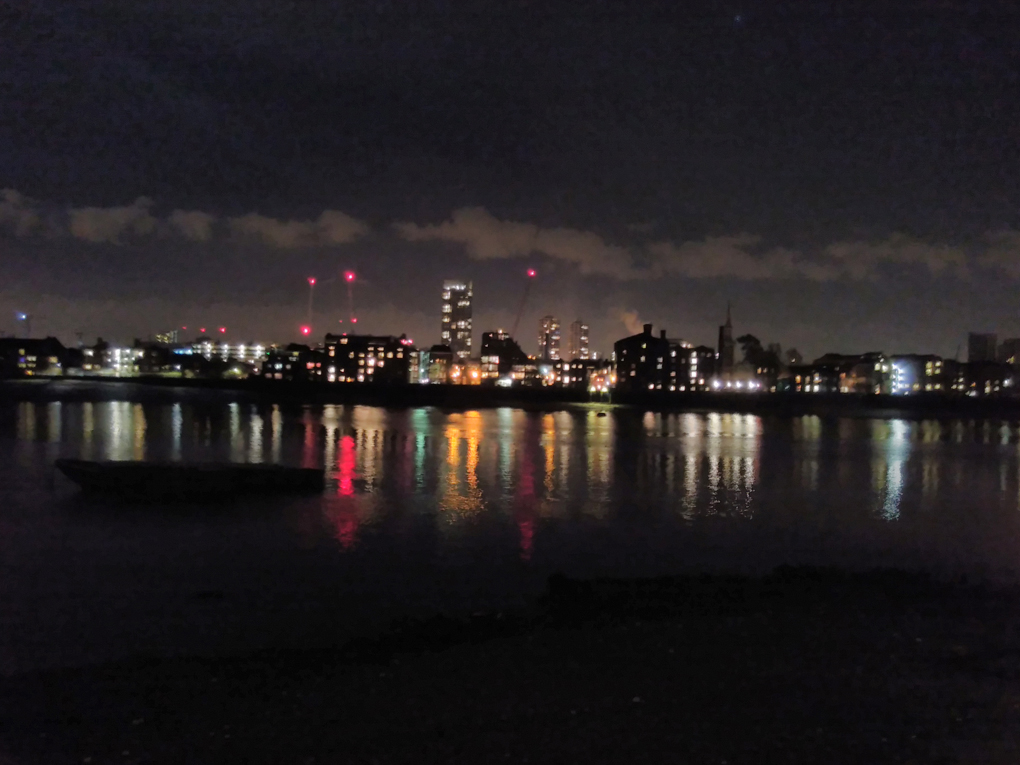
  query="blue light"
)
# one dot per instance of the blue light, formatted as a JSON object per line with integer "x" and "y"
{"x": 22, "y": 316}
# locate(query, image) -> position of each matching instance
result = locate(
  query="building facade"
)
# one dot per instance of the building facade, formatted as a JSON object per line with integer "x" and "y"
{"x": 375, "y": 359}
{"x": 295, "y": 363}
{"x": 456, "y": 331}
{"x": 642, "y": 362}
{"x": 500, "y": 353}
{"x": 28, "y": 358}
{"x": 549, "y": 339}
{"x": 589, "y": 375}
{"x": 435, "y": 365}
{"x": 691, "y": 368}
{"x": 578, "y": 345}
{"x": 913, "y": 373}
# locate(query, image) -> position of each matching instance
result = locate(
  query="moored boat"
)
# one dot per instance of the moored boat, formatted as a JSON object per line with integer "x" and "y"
{"x": 175, "y": 480}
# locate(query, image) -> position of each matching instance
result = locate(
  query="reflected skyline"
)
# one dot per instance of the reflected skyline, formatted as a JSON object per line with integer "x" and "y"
{"x": 536, "y": 468}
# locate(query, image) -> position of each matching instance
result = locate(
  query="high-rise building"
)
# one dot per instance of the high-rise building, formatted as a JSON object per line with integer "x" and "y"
{"x": 981, "y": 346}
{"x": 457, "y": 318}
{"x": 549, "y": 339}
{"x": 578, "y": 345}
{"x": 726, "y": 346}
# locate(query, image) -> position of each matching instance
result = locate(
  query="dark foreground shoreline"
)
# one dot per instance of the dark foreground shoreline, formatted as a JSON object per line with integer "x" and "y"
{"x": 463, "y": 397}
{"x": 804, "y": 665}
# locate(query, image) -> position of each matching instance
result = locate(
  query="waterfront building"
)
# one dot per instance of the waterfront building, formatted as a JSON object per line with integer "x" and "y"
{"x": 578, "y": 342}
{"x": 691, "y": 368}
{"x": 436, "y": 365}
{"x": 548, "y": 339}
{"x": 375, "y": 359}
{"x": 980, "y": 378}
{"x": 25, "y": 357}
{"x": 456, "y": 323}
{"x": 248, "y": 353}
{"x": 294, "y": 363}
{"x": 642, "y": 362}
{"x": 866, "y": 373}
{"x": 1009, "y": 351}
{"x": 500, "y": 353}
{"x": 589, "y": 375}
{"x": 914, "y": 373}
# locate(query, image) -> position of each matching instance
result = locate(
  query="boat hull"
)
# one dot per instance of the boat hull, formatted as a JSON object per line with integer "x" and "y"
{"x": 182, "y": 480}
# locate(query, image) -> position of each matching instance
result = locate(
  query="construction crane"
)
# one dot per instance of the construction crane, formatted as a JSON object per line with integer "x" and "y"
{"x": 524, "y": 299}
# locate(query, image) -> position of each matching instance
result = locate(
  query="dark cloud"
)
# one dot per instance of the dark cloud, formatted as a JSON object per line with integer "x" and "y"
{"x": 816, "y": 154}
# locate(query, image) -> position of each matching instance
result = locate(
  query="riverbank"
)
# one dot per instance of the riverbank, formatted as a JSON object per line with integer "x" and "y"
{"x": 801, "y": 666}
{"x": 464, "y": 397}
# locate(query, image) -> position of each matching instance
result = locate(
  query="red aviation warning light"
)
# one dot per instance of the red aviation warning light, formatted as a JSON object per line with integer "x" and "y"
{"x": 532, "y": 273}
{"x": 306, "y": 330}
{"x": 311, "y": 281}
{"x": 223, "y": 330}
{"x": 349, "y": 279}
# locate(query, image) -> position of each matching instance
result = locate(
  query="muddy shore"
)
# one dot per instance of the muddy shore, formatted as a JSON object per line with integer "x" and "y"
{"x": 804, "y": 665}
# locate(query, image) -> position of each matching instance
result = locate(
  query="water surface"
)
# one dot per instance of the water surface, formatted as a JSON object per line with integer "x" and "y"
{"x": 427, "y": 510}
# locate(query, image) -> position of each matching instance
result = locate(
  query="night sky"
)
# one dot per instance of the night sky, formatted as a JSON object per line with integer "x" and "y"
{"x": 847, "y": 174}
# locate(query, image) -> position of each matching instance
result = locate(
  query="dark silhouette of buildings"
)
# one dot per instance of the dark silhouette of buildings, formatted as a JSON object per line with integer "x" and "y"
{"x": 1009, "y": 351}
{"x": 377, "y": 359}
{"x": 24, "y": 357}
{"x": 501, "y": 353}
{"x": 295, "y": 363}
{"x": 691, "y": 368}
{"x": 726, "y": 347}
{"x": 436, "y": 365}
{"x": 642, "y": 362}
{"x": 981, "y": 346}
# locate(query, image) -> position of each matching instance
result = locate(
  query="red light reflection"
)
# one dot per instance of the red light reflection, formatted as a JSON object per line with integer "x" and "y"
{"x": 345, "y": 515}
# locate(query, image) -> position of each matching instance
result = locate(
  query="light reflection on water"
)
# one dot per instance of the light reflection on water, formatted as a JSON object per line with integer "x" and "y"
{"x": 425, "y": 508}
{"x": 507, "y": 466}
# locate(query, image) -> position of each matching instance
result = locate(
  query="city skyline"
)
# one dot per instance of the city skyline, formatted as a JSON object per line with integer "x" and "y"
{"x": 841, "y": 176}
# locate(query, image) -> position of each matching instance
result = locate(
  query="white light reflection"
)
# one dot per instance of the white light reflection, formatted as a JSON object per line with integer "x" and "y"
{"x": 255, "y": 427}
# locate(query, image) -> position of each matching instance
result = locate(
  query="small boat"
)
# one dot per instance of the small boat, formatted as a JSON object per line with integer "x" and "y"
{"x": 179, "y": 480}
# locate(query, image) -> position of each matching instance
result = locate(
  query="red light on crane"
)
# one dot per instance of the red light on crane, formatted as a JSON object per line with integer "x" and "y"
{"x": 306, "y": 330}
{"x": 311, "y": 281}
{"x": 349, "y": 276}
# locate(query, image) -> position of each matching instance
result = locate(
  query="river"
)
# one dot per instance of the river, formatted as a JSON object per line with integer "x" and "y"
{"x": 427, "y": 510}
